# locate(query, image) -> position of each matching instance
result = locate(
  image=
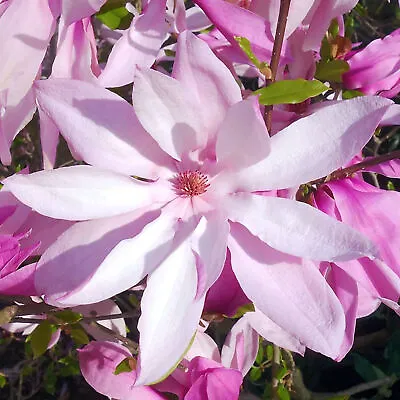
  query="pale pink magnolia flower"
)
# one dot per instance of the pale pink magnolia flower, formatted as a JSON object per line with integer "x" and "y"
{"x": 257, "y": 21}
{"x": 376, "y": 68}
{"x": 138, "y": 45}
{"x": 203, "y": 152}
{"x": 28, "y": 41}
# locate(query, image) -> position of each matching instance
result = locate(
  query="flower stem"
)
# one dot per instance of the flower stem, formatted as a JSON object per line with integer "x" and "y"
{"x": 276, "y": 54}
{"x": 346, "y": 172}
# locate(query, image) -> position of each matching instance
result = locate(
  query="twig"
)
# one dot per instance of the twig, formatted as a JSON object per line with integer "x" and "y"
{"x": 276, "y": 54}
{"x": 276, "y": 363}
{"x": 346, "y": 172}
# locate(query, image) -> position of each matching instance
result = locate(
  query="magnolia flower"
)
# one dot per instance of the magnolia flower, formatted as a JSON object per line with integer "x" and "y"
{"x": 376, "y": 68}
{"x": 28, "y": 41}
{"x": 202, "y": 154}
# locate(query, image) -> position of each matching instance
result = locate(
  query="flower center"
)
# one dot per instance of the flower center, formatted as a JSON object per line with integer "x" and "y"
{"x": 190, "y": 183}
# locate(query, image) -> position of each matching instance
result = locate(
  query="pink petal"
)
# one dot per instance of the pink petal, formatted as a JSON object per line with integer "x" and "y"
{"x": 346, "y": 291}
{"x": 73, "y": 10}
{"x": 205, "y": 77}
{"x": 167, "y": 111}
{"x": 240, "y": 348}
{"x": 86, "y": 116}
{"x": 127, "y": 263}
{"x": 209, "y": 241}
{"x": 299, "y": 300}
{"x": 213, "y": 383}
{"x": 233, "y": 21}
{"x": 225, "y": 296}
{"x": 297, "y": 228}
{"x": 320, "y": 18}
{"x": 234, "y": 148}
{"x": 203, "y": 346}
{"x": 20, "y": 282}
{"x": 49, "y": 137}
{"x": 69, "y": 193}
{"x": 366, "y": 211}
{"x": 166, "y": 317}
{"x": 98, "y": 361}
{"x": 320, "y": 143}
{"x": 74, "y": 52}
{"x": 139, "y": 45}
{"x": 196, "y": 19}
{"x": 272, "y": 332}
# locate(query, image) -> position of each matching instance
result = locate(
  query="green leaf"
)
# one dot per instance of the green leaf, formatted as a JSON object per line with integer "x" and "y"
{"x": 50, "y": 380}
{"x": 260, "y": 354}
{"x": 68, "y": 316}
{"x": 282, "y": 393}
{"x": 40, "y": 338}
{"x": 331, "y": 71}
{"x": 350, "y": 94}
{"x": 390, "y": 186}
{"x": 270, "y": 352}
{"x": 3, "y": 381}
{"x": 345, "y": 397}
{"x": 78, "y": 334}
{"x": 7, "y": 314}
{"x": 366, "y": 370}
{"x": 243, "y": 310}
{"x": 70, "y": 366}
{"x": 245, "y": 45}
{"x": 290, "y": 91}
{"x": 115, "y": 15}
{"x": 169, "y": 53}
{"x": 281, "y": 373}
{"x": 126, "y": 365}
{"x": 255, "y": 374}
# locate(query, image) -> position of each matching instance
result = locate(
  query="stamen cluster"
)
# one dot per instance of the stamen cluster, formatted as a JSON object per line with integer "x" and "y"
{"x": 190, "y": 183}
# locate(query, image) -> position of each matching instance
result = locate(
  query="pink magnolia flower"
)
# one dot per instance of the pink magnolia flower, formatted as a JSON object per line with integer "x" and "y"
{"x": 376, "y": 68}
{"x": 203, "y": 152}
{"x": 98, "y": 361}
{"x": 361, "y": 285}
{"x": 15, "y": 280}
{"x": 139, "y": 45}
{"x": 28, "y": 41}
{"x": 207, "y": 374}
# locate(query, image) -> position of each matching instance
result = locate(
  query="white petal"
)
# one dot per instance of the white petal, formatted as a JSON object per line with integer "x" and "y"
{"x": 170, "y": 315}
{"x": 80, "y": 192}
{"x": 297, "y": 228}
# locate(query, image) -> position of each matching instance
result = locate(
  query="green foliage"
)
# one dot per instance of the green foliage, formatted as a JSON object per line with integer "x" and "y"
{"x": 290, "y": 91}
{"x": 350, "y": 94}
{"x": 283, "y": 393}
{"x": 115, "y": 15}
{"x": 78, "y": 334}
{"x": 124, "y": 366}
{"x": 331, "y": 70}
{"x": 3, "y": 381}
{"x": 243, "y": 310}
{"x": 245, "y": 45}
{"x": 367, "y": 370}
{"x": 50, "y": 380}
{"x": 68, "y": 316}
{"x": 40, "y": 338}
{"x": 7, "y": 314}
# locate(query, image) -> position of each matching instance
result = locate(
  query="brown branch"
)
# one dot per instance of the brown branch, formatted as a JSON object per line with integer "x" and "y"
{"x": 276, "y": 54}
{"x": 276, "y": 364}
{"x": 346, "y": 172}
